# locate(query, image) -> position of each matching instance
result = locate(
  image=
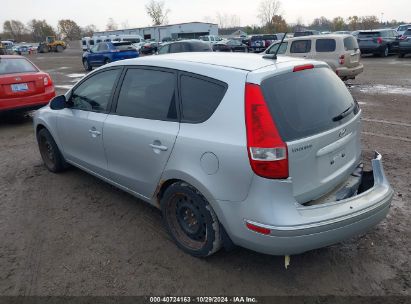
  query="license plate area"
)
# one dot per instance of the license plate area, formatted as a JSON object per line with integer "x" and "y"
{"x": 19, "y": 87}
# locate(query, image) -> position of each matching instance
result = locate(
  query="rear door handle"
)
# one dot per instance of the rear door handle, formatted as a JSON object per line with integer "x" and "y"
{"x": 159, "y": 147}
{"x": 94, "y": 132}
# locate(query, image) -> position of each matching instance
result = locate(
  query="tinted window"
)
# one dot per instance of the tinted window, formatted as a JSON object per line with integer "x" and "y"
{"x": 200, "y": 98}
{"x": 176, "y": 48}
{"x": 15, "y": 65}
{"x": 350, "y": 44}
{"x": 124, "y": 46}
{"x": 282, "y": 50}
{"x": 84, "y": 42}
{"x": 197, "y": 46}
{"x": 102, "y": 47}
{"x": 94, "y": 93}
{"x": 310, "y": 109}
{"x": 407, "y": 33}
{"x": 91, "y": 42}
{"x": 164, "y": 49}
{"x": 369, "y": 34}
{"x": 148, "y": 94}
{"x": 301, "y": 46}
{"x": 325, "y": 45}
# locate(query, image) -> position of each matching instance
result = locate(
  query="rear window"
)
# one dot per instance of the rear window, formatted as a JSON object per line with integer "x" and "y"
{"x": 300, "y": 46}
{"x": 200, "y": 97}
{"x": 310, "y": 109}
{"x": 270, "y": 37}
{"x": 124, "y": 46}
{"x": 369, "y": 34}
{"x": 16, "y": 65}
{"x": 255, "y": 38}
{"x": 404, "y": 27}
{"x": 350, "y": 44}
{"x": 407, "y": 33}
{"x": 325, "y": 45}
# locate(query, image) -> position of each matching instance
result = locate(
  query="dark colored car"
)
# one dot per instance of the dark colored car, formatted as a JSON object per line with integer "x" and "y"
{"x": 185, "y": 46}
{"x": 270, "y": 38}
{"x": 306, "y": 33}
{"x": 20, "y": 50}
{"x": 105, "y": 52}
{"x": 233, "y": 45}
{"x": 378, "y": 42}
{"x": 149, "y": 48}
{"x": 255, "y": 43}
{"x": 23, "y": 86}
{"x": 405, "y": 43}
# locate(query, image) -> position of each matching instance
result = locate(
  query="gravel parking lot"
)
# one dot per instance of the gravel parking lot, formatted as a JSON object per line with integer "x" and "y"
{"x": 72, "y": 234}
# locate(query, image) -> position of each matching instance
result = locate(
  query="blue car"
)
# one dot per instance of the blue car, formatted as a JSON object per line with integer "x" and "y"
{"x": 106, "y": 52}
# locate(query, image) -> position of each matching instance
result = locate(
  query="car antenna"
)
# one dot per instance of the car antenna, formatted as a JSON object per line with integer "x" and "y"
{"x": 274, "y": 56}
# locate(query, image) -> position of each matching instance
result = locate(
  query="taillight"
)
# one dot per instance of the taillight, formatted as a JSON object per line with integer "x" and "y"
{"x": 342, "y": 59}
{"x": 267, "y": 152}
{"x": 47, "y": 81}
{"x": 403, "y": 37}
{"x": 379, "y": 40}
{"x": 258, "y": 229}
{"x": 303, "y": 67}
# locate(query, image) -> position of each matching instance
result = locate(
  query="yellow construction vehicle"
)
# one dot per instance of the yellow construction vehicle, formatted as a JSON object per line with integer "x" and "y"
{"x": 51, "y": 45}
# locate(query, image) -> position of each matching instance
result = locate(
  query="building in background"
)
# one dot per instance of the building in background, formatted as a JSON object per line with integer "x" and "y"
{"x": 189, "y": 30}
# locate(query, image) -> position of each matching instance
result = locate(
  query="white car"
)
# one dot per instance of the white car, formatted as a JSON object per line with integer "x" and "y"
{"x": 210, "y": 39}
{"x": 402, "y": 28}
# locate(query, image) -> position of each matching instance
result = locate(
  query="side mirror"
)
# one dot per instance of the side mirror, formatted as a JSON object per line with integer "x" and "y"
{"x": 58, "y": 103}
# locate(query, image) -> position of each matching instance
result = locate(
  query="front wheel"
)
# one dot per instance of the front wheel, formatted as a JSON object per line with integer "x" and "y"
{"x": 86, "y": 65}
{"x": 190, "y": 220}
{"x": 50, "y": 153}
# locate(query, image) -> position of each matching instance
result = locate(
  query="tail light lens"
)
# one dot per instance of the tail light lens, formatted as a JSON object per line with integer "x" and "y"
{"x": 47, "y": 81}
{"x": 267, "y": 152}
{"x": 379, "y": 40}
{"x": 342, "y": 59}
{"x": 299, "y": 68}
{"x": 403, "y": 37}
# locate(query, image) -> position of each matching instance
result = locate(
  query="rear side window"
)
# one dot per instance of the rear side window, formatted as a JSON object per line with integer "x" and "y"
{"x": 325, "y": 45}
{"x": 300, "y": 46}
{"x": 304, "y": 103}
{"x": 176, "y": 48}
{"x": 407, "y": 33}
{"x": 350, "y": 44}
{"x": 199, "y": 47}
{"x": 16, "y": 65}
{"x": 282, "y": 50}
{"x": 148, "y": 94}
{"x": 369, "y": 34}
{"x": 200, "y": 97}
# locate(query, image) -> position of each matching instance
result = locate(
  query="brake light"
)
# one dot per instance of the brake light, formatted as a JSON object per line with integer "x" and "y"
{"x": 303, "y": 67}
{"x": 258, "y": 229}
{"x": 379, "y": 40}
{"x": 267, "y": 152}
{"x": 403, "y": 37}
{"x": 342, "y": 59}
{"x": 47, "y": 81}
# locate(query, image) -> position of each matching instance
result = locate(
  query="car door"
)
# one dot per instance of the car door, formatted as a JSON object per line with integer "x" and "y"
{"x": 140, "y": 132}
{"x": 301, "y": 48}
{"x": 396, "y": 41}
{"x": 80, "y": 126}
{"x": 100, "y": 54}
{"x": 93, "y": 55}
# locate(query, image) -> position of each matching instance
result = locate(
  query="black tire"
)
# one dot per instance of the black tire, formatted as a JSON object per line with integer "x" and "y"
{"x": 106, "y": 61}
{"x": 401, "y": 55}
{"x": 50, "y": 153}
{"x": 59, "y": 48}
{"x": 190, "y": 220}
{"x": 87, "y": 65}
{"x": 385, "y": 52}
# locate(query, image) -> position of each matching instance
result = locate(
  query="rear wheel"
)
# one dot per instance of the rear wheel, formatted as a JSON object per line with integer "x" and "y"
{"x": 50, "y": 153}
{"x": 385, "y": 52}
{"x": 59, "y": 48}
{"x": 190, "y": 220}
{"x": 86, "y": 65}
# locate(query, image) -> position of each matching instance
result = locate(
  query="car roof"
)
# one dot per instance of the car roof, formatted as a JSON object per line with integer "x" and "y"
{"x": 12, "y": 57}
{"x": 247, "y": 62}
{"x": 326, "y": 36}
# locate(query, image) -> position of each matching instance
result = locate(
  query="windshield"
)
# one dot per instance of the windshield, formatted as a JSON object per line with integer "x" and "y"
{"x": 124, "y": 46}
{"x": 15, "y": 65}
{"x": 304, "y": 103}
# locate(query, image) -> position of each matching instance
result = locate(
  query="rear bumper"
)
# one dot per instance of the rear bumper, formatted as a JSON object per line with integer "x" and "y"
{"x": 26, "y": 103}
{"x": 350, "y": 72}
{"x": 295, "y": 228}
{"x": 405, "y": 48}
{"x": 372, "y": 50}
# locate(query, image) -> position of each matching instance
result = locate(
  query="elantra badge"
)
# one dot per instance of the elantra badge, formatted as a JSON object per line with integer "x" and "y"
{"x": 342, "y": 132}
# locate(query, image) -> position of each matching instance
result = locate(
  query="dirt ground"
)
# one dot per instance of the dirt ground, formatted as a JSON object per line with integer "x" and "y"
{"x": 72, "y": 234}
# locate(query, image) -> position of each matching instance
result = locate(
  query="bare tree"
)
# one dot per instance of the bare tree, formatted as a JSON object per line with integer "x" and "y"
{"x": 69, "y": 29}
{"x": 40, "y": 29}
{"x": 157, "y": 11}
{"x": 89, "y": 30}
{"x": 14, "y": 28}
{"x": 111, "y": 25}
{"x": 267, "y": 10}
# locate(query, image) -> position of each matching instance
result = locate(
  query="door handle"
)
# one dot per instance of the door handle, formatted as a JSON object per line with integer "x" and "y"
{"x": 94, "y": 132}
{"x": 159, "y": 147}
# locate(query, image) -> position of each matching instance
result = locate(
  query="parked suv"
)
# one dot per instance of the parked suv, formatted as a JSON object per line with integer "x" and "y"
{"x": 184, "y": 46}
{"x": 378, "y": 42}
{"x": 340, "y": 52}
{"x": 225, "y": 146}
{"x": 405, "y": 43}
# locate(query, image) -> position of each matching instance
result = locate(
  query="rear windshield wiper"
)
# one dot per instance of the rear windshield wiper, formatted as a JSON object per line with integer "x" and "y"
{"x": 345, "y": 113}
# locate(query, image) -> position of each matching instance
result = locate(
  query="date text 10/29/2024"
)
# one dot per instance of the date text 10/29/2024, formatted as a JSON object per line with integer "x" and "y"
{"x": 200, "y": 299}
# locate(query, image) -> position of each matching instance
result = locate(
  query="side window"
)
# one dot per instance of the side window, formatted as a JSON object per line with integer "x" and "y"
{"x": 175, "y": 48}
{"x": 185, "y": 47}
{"x": 325, "y": 45}
{"x": 200, "y": 98}
{"x": 102, "y": 47}
{"x": 95, "y": 92}
{"x": 282, "y": 50}
{"x": 164, "y": 49}
{"x": 300, "y": 46}
{"x": 148, "y": 94}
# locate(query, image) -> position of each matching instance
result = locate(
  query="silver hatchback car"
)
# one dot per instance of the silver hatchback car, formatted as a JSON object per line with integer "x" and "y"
{"x": 233, "y": 148}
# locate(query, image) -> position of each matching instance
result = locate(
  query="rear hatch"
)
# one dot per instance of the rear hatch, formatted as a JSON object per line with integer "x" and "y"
{"x": 352, "y": 52}
{"x": 125, "y": 50}
{"x": 19, "y": 78}
{"x": 368, "y": 39}
{"x": 318, "y": 119}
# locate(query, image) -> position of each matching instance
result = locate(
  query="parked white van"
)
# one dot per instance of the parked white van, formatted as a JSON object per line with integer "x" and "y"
{"x": 340, "y": 52}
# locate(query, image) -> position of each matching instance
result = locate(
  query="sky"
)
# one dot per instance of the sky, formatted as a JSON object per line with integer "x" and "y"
{"x": 132, "y": 13}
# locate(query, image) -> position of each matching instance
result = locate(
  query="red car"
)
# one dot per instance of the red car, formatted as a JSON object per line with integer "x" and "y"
{"x": 22, "y": 85}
